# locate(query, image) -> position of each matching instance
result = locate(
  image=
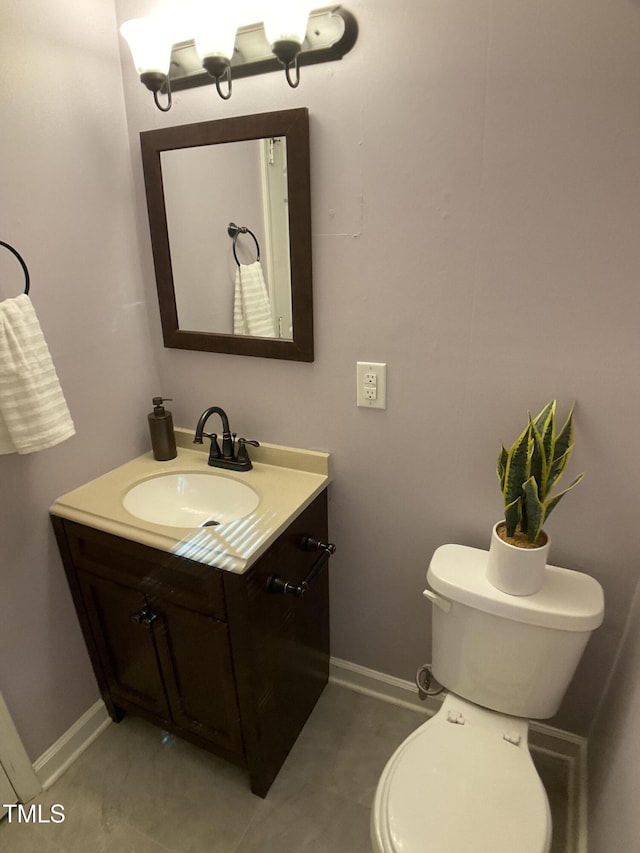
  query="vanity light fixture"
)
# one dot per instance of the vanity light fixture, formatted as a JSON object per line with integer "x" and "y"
{"x": 150, "y": 41}
{"x": 290, "y": 36}
{"x": 285, "y": 26}
{"x": 215, "y": 34}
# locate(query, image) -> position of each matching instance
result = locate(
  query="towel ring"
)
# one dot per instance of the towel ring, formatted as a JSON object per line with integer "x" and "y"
{"x": 235, "y": 231}
{"x": 22, "y": 264}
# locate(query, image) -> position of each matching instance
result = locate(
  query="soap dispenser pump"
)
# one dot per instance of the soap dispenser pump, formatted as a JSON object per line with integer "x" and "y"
{"x": 163, "y": 440}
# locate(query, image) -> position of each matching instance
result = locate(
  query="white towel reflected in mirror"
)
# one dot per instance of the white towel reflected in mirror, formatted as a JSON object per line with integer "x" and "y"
{"x": 251, "y": 306}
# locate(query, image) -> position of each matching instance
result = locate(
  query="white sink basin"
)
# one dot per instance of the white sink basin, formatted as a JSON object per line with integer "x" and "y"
{"x": 190, "y": 500}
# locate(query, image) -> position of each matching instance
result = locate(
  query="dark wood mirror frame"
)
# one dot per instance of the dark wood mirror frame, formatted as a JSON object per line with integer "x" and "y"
{"x": 294, "y": 125}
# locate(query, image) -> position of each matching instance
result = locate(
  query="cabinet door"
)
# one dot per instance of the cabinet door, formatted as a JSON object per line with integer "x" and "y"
{"x": 195, "y": 654}
{"x": 123, "y": 631}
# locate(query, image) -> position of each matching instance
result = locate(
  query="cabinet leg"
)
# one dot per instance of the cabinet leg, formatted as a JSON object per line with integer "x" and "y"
{"x": 115, "y": 711}
{"x": 260, "y": 783}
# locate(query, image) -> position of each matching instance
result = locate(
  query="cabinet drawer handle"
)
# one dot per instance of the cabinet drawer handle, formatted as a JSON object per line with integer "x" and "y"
{"x": 146, "y": 617}
{"x": 277, "y": 586}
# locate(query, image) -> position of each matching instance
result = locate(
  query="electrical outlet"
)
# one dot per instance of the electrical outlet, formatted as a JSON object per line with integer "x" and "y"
{"x": 371, "y": 390}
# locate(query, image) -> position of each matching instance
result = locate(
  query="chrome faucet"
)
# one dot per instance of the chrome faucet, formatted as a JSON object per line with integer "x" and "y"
{"x": 233, "y": 457}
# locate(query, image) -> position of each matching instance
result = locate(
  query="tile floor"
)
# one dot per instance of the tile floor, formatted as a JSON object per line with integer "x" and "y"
{"x": 132, "y": 793}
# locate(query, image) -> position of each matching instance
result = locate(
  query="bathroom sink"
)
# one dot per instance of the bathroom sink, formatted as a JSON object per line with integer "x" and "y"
{"x": 190, "y": 500}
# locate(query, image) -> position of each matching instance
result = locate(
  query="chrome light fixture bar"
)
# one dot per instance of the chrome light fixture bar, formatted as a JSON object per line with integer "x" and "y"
{"x": 332, "y": 31}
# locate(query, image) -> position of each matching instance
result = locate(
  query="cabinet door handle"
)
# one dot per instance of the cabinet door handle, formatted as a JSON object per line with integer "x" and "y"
{"x": 146, "y": 617}
{"x": 277, "y": 586}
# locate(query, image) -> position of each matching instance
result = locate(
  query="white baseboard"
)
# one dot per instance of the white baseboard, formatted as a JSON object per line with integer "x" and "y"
{"x": 388, "y": 688}
{"x": 561, "y": 744}
{"x": 62, "y": 754}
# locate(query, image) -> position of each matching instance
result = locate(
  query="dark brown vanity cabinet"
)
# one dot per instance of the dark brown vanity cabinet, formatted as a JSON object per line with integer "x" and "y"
{"x": 210, "y": 655}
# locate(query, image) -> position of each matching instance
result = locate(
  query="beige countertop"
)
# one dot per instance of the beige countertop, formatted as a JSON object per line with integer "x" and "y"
{"x": 286, "y": 480}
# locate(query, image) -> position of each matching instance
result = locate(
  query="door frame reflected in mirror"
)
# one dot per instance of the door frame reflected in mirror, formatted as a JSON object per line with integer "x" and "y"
{"x": 292, "y": 124}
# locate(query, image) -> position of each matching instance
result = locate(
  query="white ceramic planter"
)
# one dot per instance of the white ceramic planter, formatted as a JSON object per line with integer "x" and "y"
{"x": 516, "y": 571}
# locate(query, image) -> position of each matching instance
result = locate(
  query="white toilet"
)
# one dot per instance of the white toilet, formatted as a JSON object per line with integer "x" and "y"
{"x": 465, "y": 781}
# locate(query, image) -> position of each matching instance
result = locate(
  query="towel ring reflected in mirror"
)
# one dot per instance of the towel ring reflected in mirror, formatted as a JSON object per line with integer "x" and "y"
{"x": 22, "y": 264}
{"x": 234, "y": 231}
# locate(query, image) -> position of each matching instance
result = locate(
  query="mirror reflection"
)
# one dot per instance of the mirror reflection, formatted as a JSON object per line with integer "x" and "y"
{"x": 229, "y": 216}
{"x": 230, "y": 246}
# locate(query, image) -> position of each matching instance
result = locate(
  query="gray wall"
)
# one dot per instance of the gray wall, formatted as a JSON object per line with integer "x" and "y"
{"x": 614, "y": 752}
{"x": 208, "y": 188}
{"x": 475, "y": 225}
{"x": 67, "y": 206}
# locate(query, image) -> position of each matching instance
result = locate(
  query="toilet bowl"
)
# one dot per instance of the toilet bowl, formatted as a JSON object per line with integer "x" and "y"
{"x": 464, "y": 781}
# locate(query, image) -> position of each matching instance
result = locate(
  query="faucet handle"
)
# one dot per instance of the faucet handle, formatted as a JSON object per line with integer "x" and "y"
{"x": 243, "y": 455}
{"x": 214, "y": 451}
{"x": 243, "y": 441}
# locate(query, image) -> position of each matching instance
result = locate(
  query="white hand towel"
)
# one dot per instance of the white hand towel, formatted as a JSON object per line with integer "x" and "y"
{"x": 33, "y": 411}
{"x": 251, "y": 306}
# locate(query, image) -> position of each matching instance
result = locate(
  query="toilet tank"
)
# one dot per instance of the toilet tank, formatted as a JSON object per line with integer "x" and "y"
{"x": 513, "y": 654}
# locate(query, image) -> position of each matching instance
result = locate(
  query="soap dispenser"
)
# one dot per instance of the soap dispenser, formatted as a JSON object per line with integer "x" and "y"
{"x": 163, "y": 440}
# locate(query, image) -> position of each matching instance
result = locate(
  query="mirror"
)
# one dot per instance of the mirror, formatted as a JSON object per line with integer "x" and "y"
{"x": 230, "y": 222}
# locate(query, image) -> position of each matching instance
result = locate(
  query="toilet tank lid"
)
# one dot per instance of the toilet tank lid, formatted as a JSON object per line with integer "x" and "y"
{"x": 568, "y": 600}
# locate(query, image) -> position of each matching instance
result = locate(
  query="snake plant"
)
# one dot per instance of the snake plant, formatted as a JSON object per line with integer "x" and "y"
{"x": 531, "y": 468}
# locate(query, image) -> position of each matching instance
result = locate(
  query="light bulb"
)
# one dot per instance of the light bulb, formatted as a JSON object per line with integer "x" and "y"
{"x": 287, "y": 20}
{"x": 150, "y": 42}
{"x": 215, "y": 32}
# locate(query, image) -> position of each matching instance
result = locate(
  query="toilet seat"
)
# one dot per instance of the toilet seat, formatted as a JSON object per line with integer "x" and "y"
{"x": 456, "y": 784}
